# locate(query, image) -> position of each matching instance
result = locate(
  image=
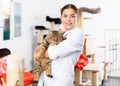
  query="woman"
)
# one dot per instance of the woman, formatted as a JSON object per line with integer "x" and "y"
{"x": 66, "y": 53}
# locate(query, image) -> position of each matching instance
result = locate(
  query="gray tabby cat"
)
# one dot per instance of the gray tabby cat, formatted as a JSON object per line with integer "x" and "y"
{"x": 40, "y": 62}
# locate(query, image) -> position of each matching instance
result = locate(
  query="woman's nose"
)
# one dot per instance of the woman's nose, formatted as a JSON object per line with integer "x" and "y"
{"x": 68, "y": 18}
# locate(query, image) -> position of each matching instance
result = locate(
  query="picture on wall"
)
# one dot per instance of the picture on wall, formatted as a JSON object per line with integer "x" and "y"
{"x": 17, "y": 19}
{"x": 6, "y": 30}
{"x": 5, "y": 19}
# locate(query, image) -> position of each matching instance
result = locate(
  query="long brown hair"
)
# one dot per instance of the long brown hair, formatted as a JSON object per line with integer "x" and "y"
{"x": 69, "y": 6}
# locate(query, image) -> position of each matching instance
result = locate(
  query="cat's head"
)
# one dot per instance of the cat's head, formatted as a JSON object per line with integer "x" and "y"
{"x": 54, "y": 36}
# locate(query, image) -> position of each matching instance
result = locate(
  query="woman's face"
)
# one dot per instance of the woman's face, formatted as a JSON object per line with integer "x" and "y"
{"x": 68, "y": 18}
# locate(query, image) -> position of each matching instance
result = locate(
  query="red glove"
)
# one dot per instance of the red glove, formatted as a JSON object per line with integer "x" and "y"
{"x": 82, "y": 62}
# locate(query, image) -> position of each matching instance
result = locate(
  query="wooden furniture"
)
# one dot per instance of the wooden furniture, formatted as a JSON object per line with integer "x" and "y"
{"x": 53, "y": 21}
{"x": 94, "y": 68}
{"x": 89, "y": 49}
{"x": 15, "y": 71}
{"x": 41, "y": 29}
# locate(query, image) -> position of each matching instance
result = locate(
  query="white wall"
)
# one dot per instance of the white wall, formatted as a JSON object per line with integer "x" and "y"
{"x": 34, "y": 12}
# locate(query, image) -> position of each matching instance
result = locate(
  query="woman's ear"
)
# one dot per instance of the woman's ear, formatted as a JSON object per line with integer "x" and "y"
{"x": 61, "y": 18}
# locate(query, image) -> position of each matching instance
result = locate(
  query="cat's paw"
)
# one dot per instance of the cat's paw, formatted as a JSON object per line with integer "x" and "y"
{"x": 35, "y": 83}
{"x": 51, "y": 76}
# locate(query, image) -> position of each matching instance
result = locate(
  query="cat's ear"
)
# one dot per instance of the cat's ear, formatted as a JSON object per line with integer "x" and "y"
{"x": 59, "y": 30}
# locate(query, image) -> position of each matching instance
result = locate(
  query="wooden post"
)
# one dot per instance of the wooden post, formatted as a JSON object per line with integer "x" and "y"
{"x": 93, "y": 58}
{"x": 78, "y": 77}
{"x": 41, "y": 29}
{"x": 106, "y": 71}
{"x": 80, "y": 20}
{"x": 78, "y": 73}
{"x": 52, "y": 25}
{"x": 94, "y": 79}
{"x": 15, "y": 70}
{"x": 41, "y": 35}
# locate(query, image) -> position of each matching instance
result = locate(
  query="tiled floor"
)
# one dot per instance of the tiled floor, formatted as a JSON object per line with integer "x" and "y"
{"x": 112, "y": 81}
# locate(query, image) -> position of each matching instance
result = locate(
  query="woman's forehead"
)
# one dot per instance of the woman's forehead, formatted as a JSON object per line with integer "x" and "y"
{"x": 69, "y": 11}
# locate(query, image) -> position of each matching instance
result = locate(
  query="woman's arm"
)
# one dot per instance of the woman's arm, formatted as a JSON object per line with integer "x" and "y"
{"x": 73, "y": 43}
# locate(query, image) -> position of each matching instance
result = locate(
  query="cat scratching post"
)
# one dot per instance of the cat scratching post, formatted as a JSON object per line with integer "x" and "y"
{"x": 53, "y": 21}
{"x": 80, "y": 23}
{"x": 78, "y": 73}
{"x": 41, "y": 28}
{"x": 88, "y": 10}
{"x": 15, "y": 70}
{"x": 52, "y": 25}
{"x": 80, "y": 20}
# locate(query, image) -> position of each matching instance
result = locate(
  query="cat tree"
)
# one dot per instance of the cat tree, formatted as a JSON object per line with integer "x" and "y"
{"x": 53, "y": 21}
{"x": 88, "y": 50}
{"x": 41, "y": 29}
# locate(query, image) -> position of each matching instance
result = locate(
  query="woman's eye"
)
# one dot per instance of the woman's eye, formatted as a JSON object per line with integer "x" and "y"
{"x": 65, "y": 16}
{"x": 73, "y": 16}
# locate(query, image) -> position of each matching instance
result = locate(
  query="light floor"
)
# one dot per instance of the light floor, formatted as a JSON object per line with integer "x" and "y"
{"x": 112, "y": 81}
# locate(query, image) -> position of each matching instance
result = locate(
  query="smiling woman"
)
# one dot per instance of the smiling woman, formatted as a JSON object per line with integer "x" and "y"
{"x": 65, "y": 54}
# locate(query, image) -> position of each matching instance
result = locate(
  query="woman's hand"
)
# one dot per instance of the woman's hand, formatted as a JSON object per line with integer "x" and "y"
{"x": 52, "y": 43}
